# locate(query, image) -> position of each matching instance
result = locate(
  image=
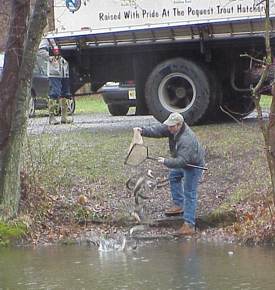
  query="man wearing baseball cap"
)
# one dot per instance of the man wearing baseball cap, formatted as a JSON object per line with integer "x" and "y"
{"x": 186, "y": 152}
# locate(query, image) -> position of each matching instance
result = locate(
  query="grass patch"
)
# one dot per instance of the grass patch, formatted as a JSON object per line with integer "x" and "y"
{"x": 234, "y": 155}
{"x": 10, "y": 232}
{"x": 265, "y": 101}
{"x": 90, "y": 104}
{"x": 84, "y": 105}
{"x": 67, "y": 160}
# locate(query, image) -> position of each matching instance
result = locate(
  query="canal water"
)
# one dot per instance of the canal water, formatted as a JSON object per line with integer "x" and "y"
{"x": 162, "y": 265}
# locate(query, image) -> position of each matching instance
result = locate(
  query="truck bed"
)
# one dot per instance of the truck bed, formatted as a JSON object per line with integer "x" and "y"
{"x": 208, "y": 31}
{"x": 104, "y": 23}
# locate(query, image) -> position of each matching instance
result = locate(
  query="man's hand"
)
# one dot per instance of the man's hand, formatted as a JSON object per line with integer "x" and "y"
{"x": 160, "y": 160}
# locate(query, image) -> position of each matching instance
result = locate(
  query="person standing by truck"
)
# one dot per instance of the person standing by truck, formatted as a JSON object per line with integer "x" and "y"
{"x": 185, "y": 149}
{"x": 59, "y": 88}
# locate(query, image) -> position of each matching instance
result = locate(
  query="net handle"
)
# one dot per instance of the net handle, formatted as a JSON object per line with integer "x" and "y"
{"x": 153, "y": 158}
{"x": 147, "y": 155}
{"x": 189, "y": 165}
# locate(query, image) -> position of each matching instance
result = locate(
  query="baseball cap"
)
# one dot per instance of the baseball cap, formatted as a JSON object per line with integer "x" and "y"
{"x": 174, "y": 119}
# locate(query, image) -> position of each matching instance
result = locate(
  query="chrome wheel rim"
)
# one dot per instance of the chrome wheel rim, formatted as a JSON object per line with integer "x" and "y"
{"x": 177, "y": 92}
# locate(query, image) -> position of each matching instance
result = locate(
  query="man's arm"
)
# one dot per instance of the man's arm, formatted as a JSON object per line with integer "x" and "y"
{"x": 184, "y": 155}
{"x": 157, "y": 131}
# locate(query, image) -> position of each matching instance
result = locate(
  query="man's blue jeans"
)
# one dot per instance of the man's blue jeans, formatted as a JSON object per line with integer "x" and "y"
{"x": 55, "y": 87}
{"x": 59, "y": 88}
{"x": 184, "y": 184}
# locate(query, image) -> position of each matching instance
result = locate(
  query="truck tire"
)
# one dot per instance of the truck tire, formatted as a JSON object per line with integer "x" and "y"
{"x": 32, "y": 105}
{"x": 118, "y": 110}
{"x": 178, "y": 85}
{"x": 213, "y": 111}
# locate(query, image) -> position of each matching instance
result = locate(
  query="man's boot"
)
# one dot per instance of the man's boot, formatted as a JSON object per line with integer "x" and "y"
{"x": 52, "y": 105}
{"x": 186, "y": 230}
{"x": 64, "y": 111}
{"x": 175, "y": 210}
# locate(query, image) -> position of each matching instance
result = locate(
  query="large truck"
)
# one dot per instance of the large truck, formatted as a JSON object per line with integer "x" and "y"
{"x": 184, "y": 56}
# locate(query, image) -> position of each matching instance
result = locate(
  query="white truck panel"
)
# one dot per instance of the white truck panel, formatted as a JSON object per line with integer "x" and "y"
{"x": 122, "y": 15}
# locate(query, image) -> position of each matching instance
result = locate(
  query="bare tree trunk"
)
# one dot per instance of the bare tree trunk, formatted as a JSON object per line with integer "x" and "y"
{"x": 271, "y": 126}
{"x": 4, "y": 20}
{"x": 8, "y": 87}
{"x": 268, "y": 131}
{"x": 51, "y": 26}
{"x": 23, "y": 41}
{"x": 271, "y": 141}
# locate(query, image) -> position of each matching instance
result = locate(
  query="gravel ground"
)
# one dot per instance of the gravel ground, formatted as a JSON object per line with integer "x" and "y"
{"x": 94, "y": 122}
{"x": 105, "y": 121}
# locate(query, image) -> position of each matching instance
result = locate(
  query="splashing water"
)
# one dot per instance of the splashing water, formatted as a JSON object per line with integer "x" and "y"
{"x": 109, "y": 245}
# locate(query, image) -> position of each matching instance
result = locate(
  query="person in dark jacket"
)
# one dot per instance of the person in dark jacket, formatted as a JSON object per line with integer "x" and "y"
{"x": 185, "y": 150}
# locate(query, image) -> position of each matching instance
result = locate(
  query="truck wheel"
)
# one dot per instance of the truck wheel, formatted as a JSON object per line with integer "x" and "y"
{"x": 71, "y": 106}
{"x": 213, "y": 110}
{"x": 118, "y": 110}
{"x": 178, "y": 85}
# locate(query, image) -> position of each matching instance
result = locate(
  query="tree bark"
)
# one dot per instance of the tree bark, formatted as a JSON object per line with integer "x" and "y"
{"x": 268, "y": 130}
{"x": 271, "y": 141}
{"x": 23, "y": 41}
{"x": 5, "y": 13}
{"x": 271, "y": 125}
